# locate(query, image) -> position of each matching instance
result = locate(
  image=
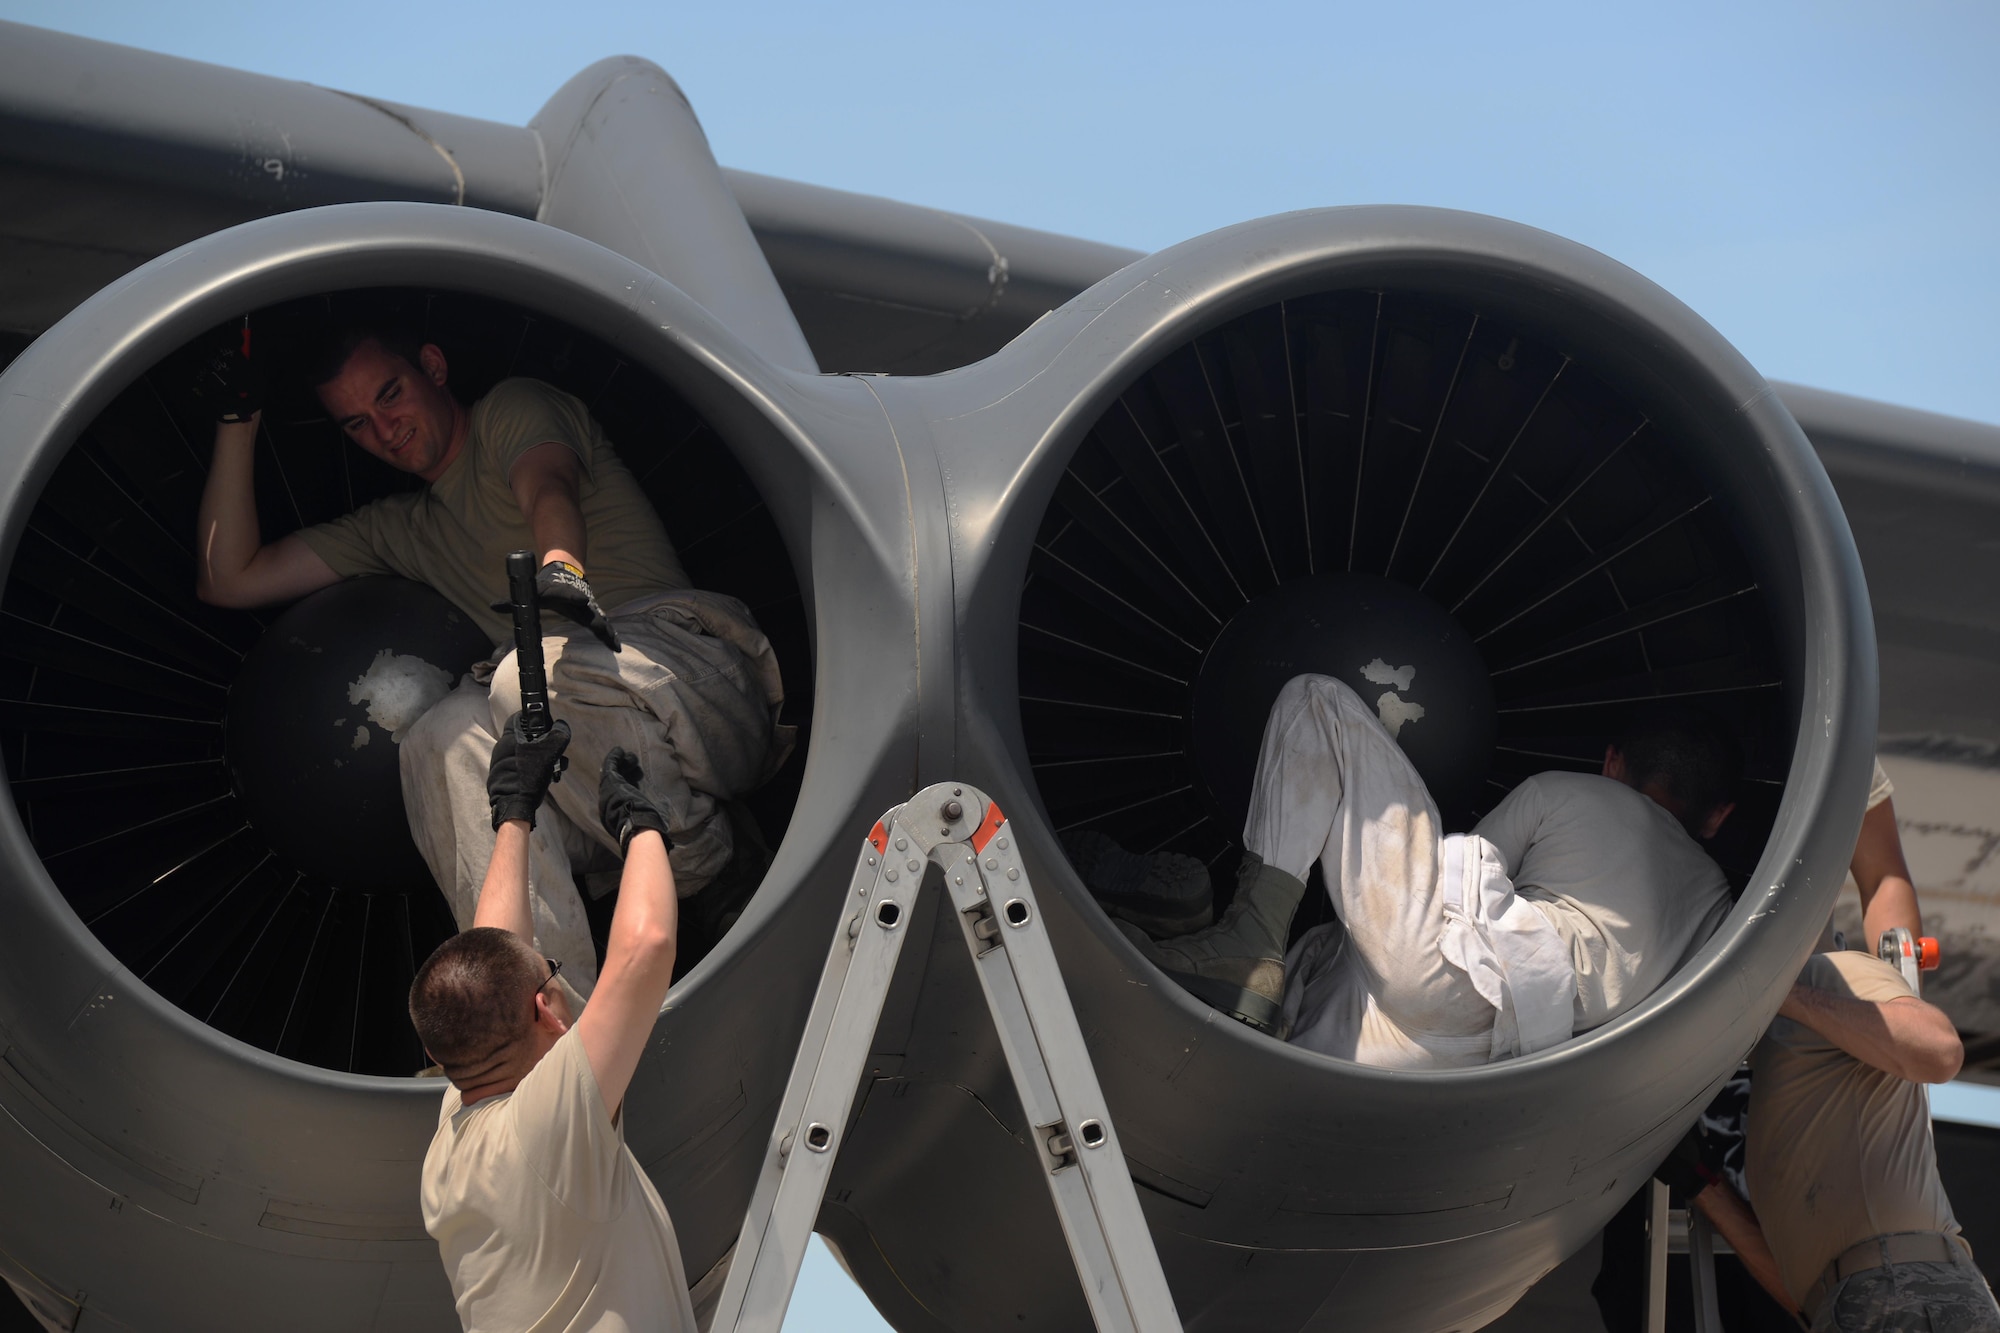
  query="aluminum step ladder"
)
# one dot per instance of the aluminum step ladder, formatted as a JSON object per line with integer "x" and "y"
{"x": 959, "y": 831}
{"x": 1680, "y": 1231}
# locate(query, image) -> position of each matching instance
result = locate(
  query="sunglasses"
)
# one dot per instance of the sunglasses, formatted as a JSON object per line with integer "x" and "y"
{"x": 554, "y": 968}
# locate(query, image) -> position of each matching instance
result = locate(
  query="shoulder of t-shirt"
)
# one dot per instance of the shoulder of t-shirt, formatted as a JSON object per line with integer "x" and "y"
{"x": 517, "y": 414}
{"x": 524, "y": 395}
{"x": 1855, "y": 973}
{"x": 1880, "y": 788}
{"x": 1559, "y": 784}
{"x": 337, "y": 541}
{"x": 1851, "y": 972}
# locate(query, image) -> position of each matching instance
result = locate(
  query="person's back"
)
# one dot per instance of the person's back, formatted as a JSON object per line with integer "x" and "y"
{"x": 1837, "y": 1150}
{"x": 1630, "y": 892}
{"x": 541, "y": 1213}
{"x": 542, "y": 1216}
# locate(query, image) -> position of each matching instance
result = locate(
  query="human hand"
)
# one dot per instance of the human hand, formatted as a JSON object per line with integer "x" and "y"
{"x": 1693, "y": 1165}
{"x": 560, "y": 587}
{"x": 232, "y": 382}
{"x": 522, "y": 770}
{"x": 625, "y": 809}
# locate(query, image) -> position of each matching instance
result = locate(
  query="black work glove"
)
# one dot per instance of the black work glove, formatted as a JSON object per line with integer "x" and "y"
{"x": 232, "y": 382}
{"x": 1692, "y": 1166}
{"x": 560, "y": 587}
{"x": 622, "y": 806}
{"x": 522, "y": 770}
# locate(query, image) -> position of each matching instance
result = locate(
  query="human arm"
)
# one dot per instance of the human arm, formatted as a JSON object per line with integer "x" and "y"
{"x": 517, "y": 778}
{"x": 233, "y": 565}
{"x": 503, "y": 896}
{"x": 1902, "y": 1036}
{"x": 1888, "y": 898}
{"x": 1513, "y": 825}
{"x": 1732, "y": 1218}
{"x": 645, "y": 930}
{"x": 547, "y": 481}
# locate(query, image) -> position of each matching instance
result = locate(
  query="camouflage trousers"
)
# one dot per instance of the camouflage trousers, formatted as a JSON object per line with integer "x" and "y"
{"x": 1911, "y": 1298}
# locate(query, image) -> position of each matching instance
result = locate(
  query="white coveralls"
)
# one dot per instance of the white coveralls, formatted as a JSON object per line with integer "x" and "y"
{"x": 693, "y": 692}
{"x": 1442, "y": 965}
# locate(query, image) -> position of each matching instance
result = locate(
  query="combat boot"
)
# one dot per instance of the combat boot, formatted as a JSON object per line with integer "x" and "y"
{"x": 1237, "y": 965}
{"x": 1163, "y": 893}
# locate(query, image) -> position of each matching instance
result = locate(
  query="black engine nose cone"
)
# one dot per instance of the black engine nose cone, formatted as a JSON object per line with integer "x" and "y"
{"x": 1396, "y": 648}
{"x": 317, "y": 714}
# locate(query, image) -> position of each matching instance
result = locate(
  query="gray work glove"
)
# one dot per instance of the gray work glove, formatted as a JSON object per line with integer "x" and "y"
{"x": 561, "y": 587}
{"x": 625, "y": 809}
{"x": 522, "y": 770}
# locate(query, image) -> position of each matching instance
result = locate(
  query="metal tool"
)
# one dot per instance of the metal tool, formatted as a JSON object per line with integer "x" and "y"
{"x": 535, "y": 716}
{"x": 956, "y": 830}
{"x": 1914, "y": 954}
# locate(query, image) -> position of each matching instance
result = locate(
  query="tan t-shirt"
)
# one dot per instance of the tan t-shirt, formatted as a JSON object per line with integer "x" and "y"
{"x": 455, "y": 533}
{"x": 1880, "y": 788}
{"x": 543, "y": 1218}
{"x": 1629, "y": 891}
{"x": 1836, "y": 1150}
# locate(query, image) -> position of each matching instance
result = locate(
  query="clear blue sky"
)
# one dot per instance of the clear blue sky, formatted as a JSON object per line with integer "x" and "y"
{"x": 1820, "y": 180}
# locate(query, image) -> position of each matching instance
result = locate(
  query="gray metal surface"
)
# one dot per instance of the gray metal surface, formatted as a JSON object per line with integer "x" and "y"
{"x": 111, "y": 155}
{"x": 1285, "y": 1190}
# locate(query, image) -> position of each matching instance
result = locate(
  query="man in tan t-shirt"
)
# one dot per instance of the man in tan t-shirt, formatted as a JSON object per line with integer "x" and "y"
{"x": 542, "y": 1216}
{"x": 682, "y": 676}
{"x": 1840, "y": 1162}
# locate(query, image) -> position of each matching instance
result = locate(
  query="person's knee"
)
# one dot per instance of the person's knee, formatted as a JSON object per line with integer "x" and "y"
{"x": 429, "y": 740}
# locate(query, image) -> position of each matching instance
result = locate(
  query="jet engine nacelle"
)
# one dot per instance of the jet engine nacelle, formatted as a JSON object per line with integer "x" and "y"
{"x": 1544, "y": 448}
{"x": 196, "y": 1019}
{"x": 1058, "y": 574}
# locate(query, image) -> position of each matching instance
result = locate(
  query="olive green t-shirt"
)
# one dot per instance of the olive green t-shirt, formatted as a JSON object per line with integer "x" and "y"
{"x": 542, "y": 1216}
{"x": 455, "y": 533}
{"x": 1836, "y": 1150}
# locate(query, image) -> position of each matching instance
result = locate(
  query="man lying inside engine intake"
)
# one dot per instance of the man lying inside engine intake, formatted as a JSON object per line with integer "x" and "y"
{"x": 1572, "y": 901}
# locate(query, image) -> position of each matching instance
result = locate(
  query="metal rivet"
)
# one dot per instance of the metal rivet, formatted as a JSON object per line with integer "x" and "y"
{"x": 1013, "y": 873}
{"x": 914, "y": 866}
{"x": 953, "y": 811}
{"x": 1001, "y": 843}
{"x": 890, "y": 876}
{"x": 958, "y": 791}
{"x": 902, "y": 844}
{"x": 958, "y": 879}
{"x": 992, "y": 863}
{"x": 871, "y": 860}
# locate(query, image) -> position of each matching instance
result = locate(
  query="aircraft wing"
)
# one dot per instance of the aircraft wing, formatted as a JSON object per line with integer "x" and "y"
{"x": 115, "y": 155}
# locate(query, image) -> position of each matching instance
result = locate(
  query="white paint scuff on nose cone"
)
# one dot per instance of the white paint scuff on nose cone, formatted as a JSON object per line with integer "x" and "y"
{"x": 1379, "y": 672}
{"x": 398, "y": 689}
{"x": 1394, "y": 710}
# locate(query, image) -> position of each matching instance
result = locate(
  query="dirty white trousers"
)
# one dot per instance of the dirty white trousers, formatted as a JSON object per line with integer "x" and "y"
{"x": 694, "y": 692}
{"x": 1437, "y": 963}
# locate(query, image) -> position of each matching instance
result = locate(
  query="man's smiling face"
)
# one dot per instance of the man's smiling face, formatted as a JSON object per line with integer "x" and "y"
{"x": 401, "y": 413}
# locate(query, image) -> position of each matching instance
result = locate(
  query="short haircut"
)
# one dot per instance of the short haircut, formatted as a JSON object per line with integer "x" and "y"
{"x": 326, "y": 357}
{"x": 1687, "y": 752}
{"x": 474, "y": 996}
